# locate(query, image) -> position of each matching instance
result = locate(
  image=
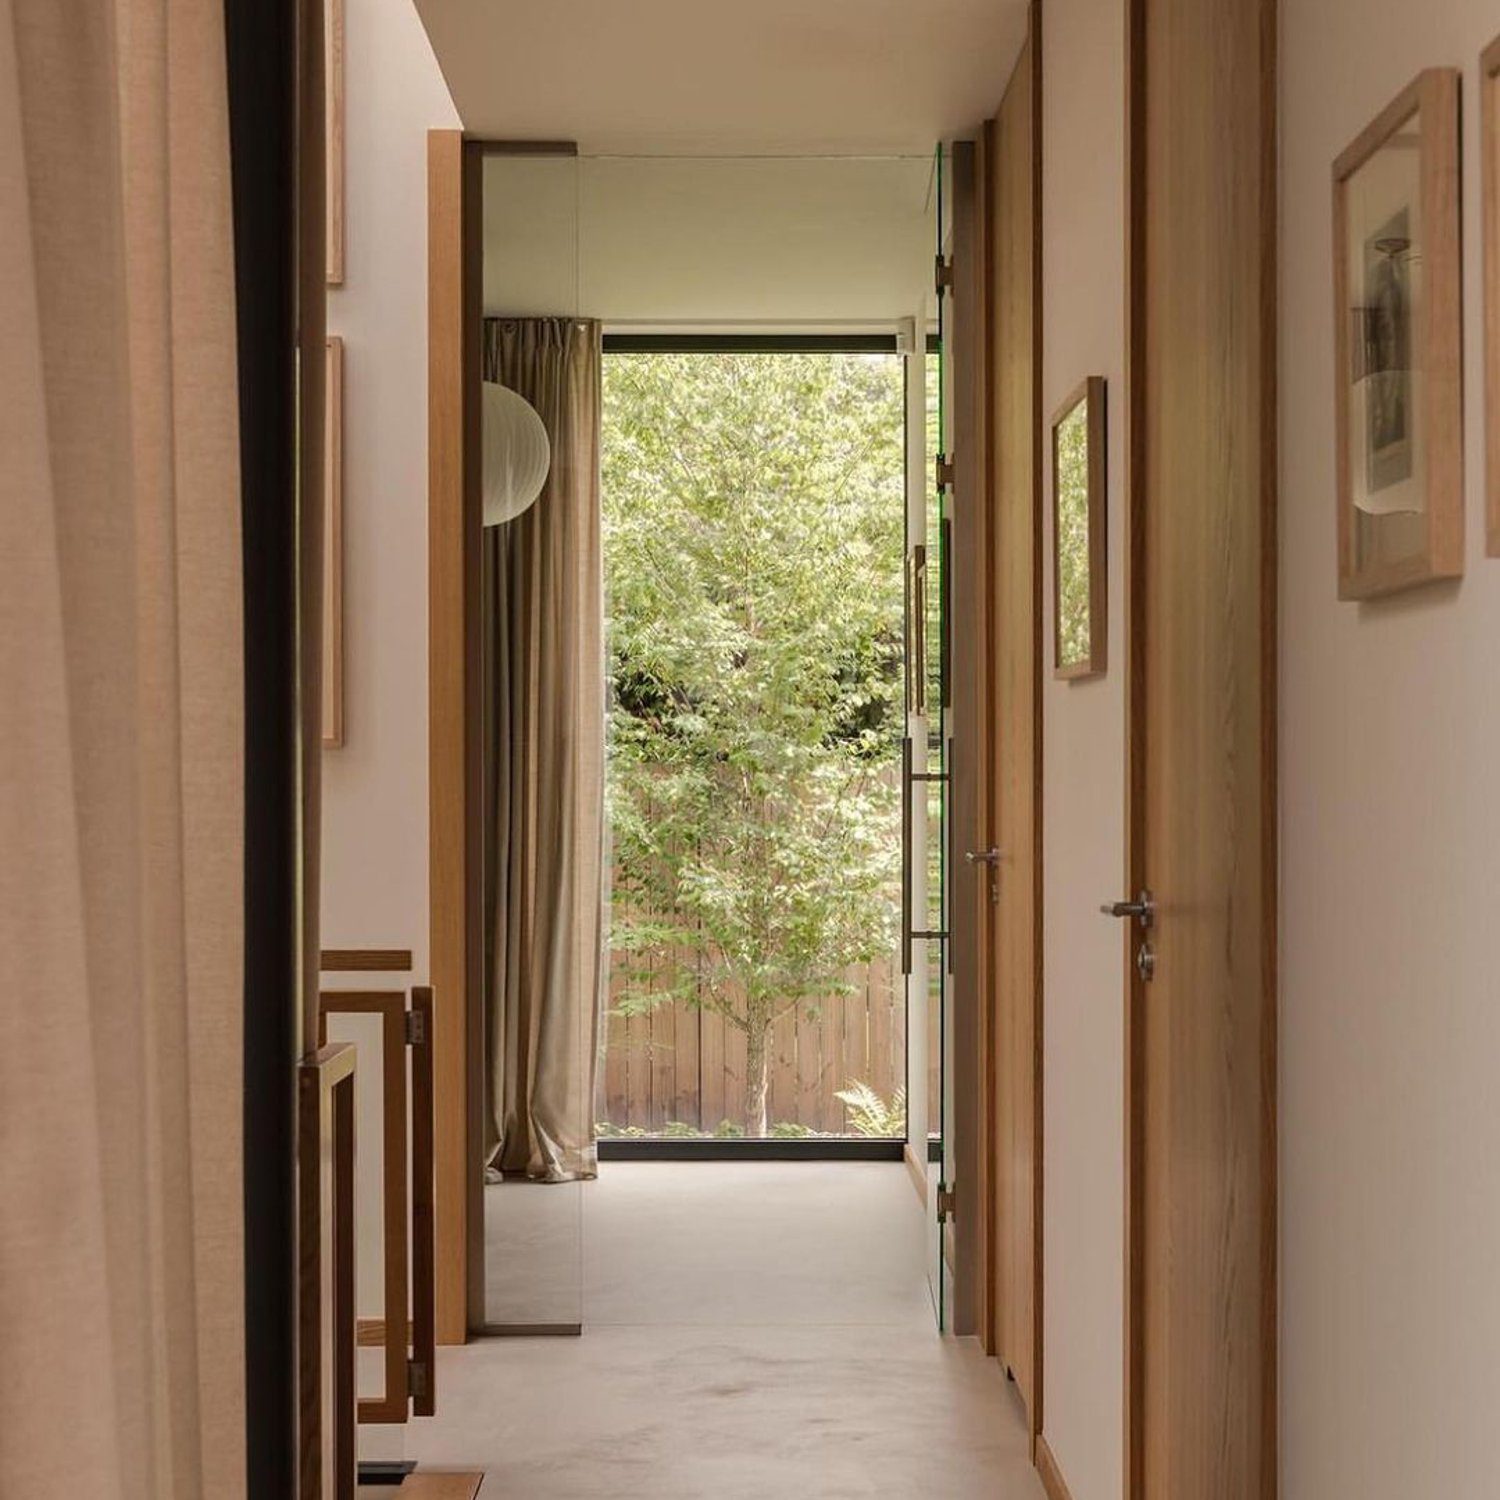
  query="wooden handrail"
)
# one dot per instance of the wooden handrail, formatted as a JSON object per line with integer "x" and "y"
{"x": 365, "y": 961}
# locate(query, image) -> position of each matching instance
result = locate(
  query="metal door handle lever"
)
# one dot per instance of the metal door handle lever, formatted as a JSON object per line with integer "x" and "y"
{"x": 1143, "y": 908}
{"x": 984, "y": 856}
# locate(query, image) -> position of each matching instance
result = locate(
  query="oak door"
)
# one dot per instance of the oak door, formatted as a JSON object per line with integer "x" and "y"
{"x": 1201, "y": 1239}
{"x": 1014, "y": 952}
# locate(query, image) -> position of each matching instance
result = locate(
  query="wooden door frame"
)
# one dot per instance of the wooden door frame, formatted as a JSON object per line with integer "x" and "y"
{"x": 454, "y": 246}
{"x": 1136, "y": 566}
{"x": 991, "y": 1165}
{"x": 971, "y": 1013}
{"x": 455, "y": 277}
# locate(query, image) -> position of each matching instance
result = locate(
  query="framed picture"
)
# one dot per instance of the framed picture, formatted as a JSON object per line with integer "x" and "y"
{"x": 1399, "y": 344}
{"x": 1489, "y": 126}
{"x": 333, "y": 546}
{"x": 333, "y": 133}
{"x": 1079, "y": 558}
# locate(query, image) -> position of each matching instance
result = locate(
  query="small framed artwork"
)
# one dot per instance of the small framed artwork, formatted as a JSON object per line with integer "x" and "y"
{"x": 1399, "y": 344}
{"x": 1489, "y": 84}
{"x": 333, "y": 133}
{"x": 1079, "y": 561}
{"x": 333, "y": 546}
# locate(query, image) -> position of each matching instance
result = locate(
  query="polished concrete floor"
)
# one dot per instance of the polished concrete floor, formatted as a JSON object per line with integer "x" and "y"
{"x": 759, "y": 1331}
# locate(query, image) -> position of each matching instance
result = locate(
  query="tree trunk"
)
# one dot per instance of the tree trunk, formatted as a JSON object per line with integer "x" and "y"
{"x": 757, "y": 1055}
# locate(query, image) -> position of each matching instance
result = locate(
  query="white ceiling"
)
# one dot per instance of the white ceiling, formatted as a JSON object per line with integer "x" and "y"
{"x": 726, "y": 77}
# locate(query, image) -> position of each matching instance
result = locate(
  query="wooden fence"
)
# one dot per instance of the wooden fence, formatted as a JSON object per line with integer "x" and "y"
{"x": 677, "y": 1063}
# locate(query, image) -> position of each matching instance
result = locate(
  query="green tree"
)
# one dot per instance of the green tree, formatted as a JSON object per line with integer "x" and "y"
{"x": 753, "y": 542}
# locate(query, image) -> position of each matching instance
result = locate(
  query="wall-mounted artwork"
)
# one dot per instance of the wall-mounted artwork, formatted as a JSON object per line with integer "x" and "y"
{"x": 1079, "y": 562}
{"x": 333, "y": 130}
{"x": 333, "y": 546}
{"x": 1399, "y": 338}
{"x": 1489, "y": 83}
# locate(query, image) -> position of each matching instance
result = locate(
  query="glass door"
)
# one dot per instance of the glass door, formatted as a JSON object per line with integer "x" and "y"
{"x": 926, "y": 778}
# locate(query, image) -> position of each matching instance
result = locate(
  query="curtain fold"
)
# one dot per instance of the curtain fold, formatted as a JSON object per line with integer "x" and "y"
{"x": 121, "y": 816}
{"x": 544, "y": 768}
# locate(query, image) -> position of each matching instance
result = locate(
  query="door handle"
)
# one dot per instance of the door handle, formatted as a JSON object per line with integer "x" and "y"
{"x": 1143, "y": 909}
{"x": 984, "y": 856}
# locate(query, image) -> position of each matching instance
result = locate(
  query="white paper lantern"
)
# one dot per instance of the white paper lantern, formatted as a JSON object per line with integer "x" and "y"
{"x": 516, "y": 453}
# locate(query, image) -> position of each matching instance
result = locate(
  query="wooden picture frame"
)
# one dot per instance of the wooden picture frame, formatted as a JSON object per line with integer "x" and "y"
{"x": 333, "y": 545}
{"x": 1080, "y": 617}
{"x": 333, "y": 131}
{"x": 1398, "y": 338}
{"x": 1489, "y": 129}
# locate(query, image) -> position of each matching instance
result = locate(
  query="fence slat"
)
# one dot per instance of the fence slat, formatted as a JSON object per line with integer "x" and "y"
{"x": 711, "y": 1067}
{"x": 781, "y": 1100}
{"x": 885, "y": 1077}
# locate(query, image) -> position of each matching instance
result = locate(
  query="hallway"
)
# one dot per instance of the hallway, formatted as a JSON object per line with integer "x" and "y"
{"x": 759, "y": 1330}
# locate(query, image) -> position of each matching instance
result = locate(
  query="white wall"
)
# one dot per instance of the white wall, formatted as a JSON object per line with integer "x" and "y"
{"x": 375, "y": 787}
{"x": 1390, "y": 903}
{"x": 709, "y": 240}
{"x": 1083, "y": 772}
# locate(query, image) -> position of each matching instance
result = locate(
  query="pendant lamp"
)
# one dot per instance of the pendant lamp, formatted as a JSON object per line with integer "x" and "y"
{"x": 516, "y": 453}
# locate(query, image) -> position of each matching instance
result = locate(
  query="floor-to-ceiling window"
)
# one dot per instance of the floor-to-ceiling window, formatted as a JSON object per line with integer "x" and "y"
{"x": 754, "y": 500}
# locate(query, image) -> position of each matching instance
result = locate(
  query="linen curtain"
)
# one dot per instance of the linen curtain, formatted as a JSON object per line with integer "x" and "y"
{"x": 121, "y": 942}
{"x": 544, "y": 767}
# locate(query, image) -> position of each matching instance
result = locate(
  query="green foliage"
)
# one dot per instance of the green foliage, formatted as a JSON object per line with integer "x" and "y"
{"x": 753, "y": 550}
{"x": 1073, "y": 534}
{"x": 869, "y": 1114}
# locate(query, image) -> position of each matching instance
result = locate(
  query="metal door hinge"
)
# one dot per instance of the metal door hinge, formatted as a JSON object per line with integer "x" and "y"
{"x": 416, "y": 1029}
{"x": 416, "y": 1379}
{"x": 942, "y": 275}
{"x": 947, "y": 1203}
{"x": 944, "y": 472}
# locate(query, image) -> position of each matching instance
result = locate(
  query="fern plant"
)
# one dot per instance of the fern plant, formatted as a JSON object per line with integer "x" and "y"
{"x": 869, "y": 1114}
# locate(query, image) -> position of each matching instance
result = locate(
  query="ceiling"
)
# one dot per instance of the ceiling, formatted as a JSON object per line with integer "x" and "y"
{"x": 726, "y": 77}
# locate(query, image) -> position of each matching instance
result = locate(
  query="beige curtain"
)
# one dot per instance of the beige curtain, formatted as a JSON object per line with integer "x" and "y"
{"x": 121, "y": 1278}
{"x": 544, "y": 767}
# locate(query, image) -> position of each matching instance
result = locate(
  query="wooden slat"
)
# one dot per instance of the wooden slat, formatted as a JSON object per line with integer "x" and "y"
{"x": 637, "y": 1069}
{"x": 879, "y": 1044}
{"x": 781, "y": 1100}
{"x": 365, "y": 960}
{"x": 616, "y": 1104}
{"x": 454, "y": 884}
{"x": 734, "y": 1074}
{"x": 809, "y": 1062}
{"x": 711, "y": 1068}
{"x": 854, "y": 1059}
{"x": 427, "y": 1486}
{"x": 688, "y": 1063}
{"x": 663, "y": 1060}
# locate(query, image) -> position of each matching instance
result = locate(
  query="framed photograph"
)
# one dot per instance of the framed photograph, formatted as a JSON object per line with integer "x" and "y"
{"x": 333, "y": 133}
{"x": 1079, "y": 549}
{"x": 333, "y": 546}
{"x": 1489, "y": 127}
{"x": 1399, "y": 344}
